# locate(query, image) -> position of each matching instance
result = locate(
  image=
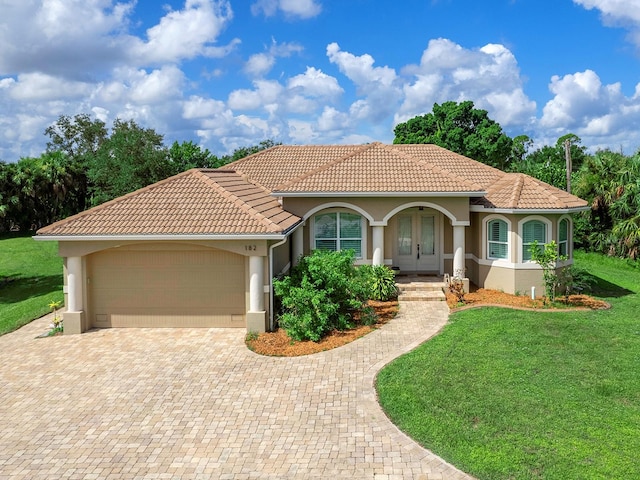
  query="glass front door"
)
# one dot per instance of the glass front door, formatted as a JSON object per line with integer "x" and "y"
{"x": 417, "y": 249}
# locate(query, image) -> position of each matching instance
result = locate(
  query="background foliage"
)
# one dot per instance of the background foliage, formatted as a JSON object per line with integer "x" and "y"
{"x": 87, "y": 163}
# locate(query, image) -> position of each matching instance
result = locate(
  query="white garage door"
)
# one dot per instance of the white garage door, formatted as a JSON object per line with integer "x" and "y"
{"x": 167, "y": 287}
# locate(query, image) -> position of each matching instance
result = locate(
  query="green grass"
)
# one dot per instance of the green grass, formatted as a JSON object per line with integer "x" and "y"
{"x": 507, "y": 394}
{"x": 30, "y": 279}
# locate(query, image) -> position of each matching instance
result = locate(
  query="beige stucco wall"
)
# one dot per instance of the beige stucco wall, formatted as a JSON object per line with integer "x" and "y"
{"x": 378, "y": 208}
{"x": 383, "y": 212}
{"x": 510, "y": 275}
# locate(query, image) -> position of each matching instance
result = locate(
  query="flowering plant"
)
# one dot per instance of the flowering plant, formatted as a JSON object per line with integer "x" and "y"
{"x": 56, "y": 323}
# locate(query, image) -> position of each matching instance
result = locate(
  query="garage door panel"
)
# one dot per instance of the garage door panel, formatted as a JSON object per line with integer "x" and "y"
{"x": 172, "y": 288}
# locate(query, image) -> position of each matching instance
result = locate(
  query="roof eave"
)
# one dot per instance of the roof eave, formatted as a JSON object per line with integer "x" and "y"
{"x": 164, "y": 237}
{"x": 480, "y": 208}
{"x": 378, "y": 194}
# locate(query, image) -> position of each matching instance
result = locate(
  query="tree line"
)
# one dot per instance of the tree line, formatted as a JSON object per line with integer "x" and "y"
{"x": 608, "y": 180}
{"x": 86, "y": 164}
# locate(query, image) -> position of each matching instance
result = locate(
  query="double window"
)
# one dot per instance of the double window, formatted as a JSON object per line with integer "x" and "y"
{"x": 338, "y": 231}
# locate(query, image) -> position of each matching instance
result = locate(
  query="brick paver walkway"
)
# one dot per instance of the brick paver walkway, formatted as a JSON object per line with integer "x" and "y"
{"x": 195, "y": 403}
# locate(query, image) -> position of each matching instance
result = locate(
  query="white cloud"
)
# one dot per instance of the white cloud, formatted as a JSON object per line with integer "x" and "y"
{"x": 260, "y": 64}
{"x": 378, "y": 85}
{"x": 315, "y": 83}
{"x": 614, "y": 11}
{"x": 60, "y": 37}
{"x": 291, "y": 8}
{"x": 488, "y": 76}
{"x": 199, "y": 107}
{"x": 600, "y": 114}
{"x": 187, "y": 33}
{"x": 332, "y": 120}
{"x": 617, "y": 13}
{"x": 578, "y": 98}
{"x": 39, "y": 86}
{"x": 267, "y": 92}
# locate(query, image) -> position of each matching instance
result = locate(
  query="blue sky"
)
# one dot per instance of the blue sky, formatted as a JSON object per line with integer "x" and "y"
{"x": 227, "y": 74}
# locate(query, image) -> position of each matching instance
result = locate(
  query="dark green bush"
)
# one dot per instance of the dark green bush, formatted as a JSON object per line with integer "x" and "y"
{"x": 322, "y": 293}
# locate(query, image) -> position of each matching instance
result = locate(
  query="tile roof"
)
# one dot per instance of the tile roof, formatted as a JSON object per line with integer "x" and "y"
{"x": 387, "y": 169}
{"x": 378, "y": 168}
{"x": 196, "y": 202}
{"x": 515, "y": 191}
{"x": 240, "y": 198}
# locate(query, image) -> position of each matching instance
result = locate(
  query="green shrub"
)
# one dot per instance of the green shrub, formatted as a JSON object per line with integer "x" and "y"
{"x": 380, "y": 281}
{"x": 321, "y": 294}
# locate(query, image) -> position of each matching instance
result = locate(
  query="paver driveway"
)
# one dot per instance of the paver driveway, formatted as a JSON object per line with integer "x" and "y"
{"x": 195, "y": 403}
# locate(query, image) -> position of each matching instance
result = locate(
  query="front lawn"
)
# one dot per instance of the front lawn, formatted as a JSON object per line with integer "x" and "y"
{"x": 30, "y": 279}
{"x": 506, "y": 394}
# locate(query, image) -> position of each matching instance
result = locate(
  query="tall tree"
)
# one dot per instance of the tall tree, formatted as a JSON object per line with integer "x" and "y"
{"x": 186, "y": 155}
{"x": 460, "y": 128}
{"x": 79, "y": 138}
{"x": 131, "y": 158}
{"x": 549, "y": 164}
{"x": 610, "y": 181}
{"x": 9, "y": 197}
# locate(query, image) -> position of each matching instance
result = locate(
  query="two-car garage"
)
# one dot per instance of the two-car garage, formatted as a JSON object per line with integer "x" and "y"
{"x": 165, "y": 285}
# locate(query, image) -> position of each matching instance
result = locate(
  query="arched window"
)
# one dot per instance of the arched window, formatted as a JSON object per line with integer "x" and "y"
{"x": 338, "y": 231}
{"x": 532, "y": 231}
{"x": 497, "y": 239}
{"x": 563, "y": 237}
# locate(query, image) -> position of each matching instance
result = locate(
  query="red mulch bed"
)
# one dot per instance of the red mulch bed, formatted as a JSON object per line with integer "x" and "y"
{"x": 279, "y": 344}
{"x": 483, "y": 297}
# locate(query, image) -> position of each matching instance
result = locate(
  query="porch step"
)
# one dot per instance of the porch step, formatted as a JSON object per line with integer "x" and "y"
{"x": 420, "y": 289}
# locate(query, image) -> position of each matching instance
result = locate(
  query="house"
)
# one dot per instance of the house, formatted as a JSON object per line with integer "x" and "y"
{"x": 200, "y": 249}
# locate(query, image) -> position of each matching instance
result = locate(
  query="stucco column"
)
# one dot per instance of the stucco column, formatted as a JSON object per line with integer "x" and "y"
{"x": 73, "y": 317}
{"x": 74, "y": 284}
{"x": 298, "y": 245}
{"x": 256, "y": 280}
{"x": 378, "y": 245}
{"x": 458, "y": 251}
{"x": 256, "y": 316}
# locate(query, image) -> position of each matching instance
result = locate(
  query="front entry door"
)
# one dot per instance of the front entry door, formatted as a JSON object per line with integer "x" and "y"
{"x": 417, "y": 242}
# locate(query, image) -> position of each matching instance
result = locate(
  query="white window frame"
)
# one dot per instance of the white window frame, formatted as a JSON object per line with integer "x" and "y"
{"x": 485, "y": 237}
{"x": 363, "y": 230}
{"x": 547, "y": 223}
{"x": 568, "y": 243}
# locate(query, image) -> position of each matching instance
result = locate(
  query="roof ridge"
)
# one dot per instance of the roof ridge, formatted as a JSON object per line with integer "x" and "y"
{"x": 325, "y": 166}
{"x": 117, "y": 200}
{"x": 517, "y": 189}
{"x": 432, "y": 166}
{"x": 267, "y": 222}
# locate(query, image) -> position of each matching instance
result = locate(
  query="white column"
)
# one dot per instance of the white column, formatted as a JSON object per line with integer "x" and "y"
{"x": 256, "y": 280}
{"x": 378, "y": 245}
{"x": 298, "y": 245}
{"x": 458, "y": 251}
{"x": 74, "y": 284}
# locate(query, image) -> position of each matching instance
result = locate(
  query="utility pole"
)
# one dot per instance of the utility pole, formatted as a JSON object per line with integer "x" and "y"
{"x": 567, "y": 156}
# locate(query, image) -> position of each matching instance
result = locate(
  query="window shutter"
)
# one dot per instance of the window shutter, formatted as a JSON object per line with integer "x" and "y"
{"x": 497, "y": 231}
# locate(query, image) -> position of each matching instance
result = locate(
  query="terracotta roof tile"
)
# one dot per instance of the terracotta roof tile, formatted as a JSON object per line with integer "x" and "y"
{"x": 207, "y": 202}
{"x": 519, "y": 191}
{"x": 377, "y": 168}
